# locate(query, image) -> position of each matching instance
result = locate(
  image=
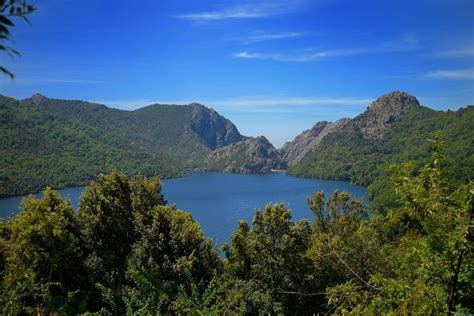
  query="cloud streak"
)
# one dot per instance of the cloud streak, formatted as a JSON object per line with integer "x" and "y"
{"x": 459, "y": 74}
{"x": 453, "y": 53}
{"x": 283, "y": 57}
{"x": 250, "y": 10}
{"x": 74, "y": 81}
{"x": 249, "y": 103}
{"x": 257, "y": 38}
{"x": 401, "y": 45}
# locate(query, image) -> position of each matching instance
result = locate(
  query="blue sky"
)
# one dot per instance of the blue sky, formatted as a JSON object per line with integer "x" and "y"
{"x": 273, "y": 67}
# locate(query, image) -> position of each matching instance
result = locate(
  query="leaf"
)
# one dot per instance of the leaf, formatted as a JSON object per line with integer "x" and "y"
{"x": 6, "y": 21}
{"x": 6, "y": 72}
{"x": 3, "y": 30}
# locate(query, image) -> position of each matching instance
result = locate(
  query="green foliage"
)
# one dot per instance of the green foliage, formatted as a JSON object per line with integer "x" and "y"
{"x": 269, "y": 262}
{"x": 39, "y": 148}
{"x": 43, "y": 258}
{"x": 170, "y": 259}
{"x": 126, "y": 252}
{"x": 430, "y": 241}
{"x": 113, "y": 213}
{"x": 346, "y": 247}
{"x": 106, "y": 217}
{"x": 58, "y": 143}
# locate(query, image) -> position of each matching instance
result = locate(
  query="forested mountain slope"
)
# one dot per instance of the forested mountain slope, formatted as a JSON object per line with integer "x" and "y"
{"x": 67, "y": 142}
{"x": 185, "y": 133}
{"x": 395, "y": 128}
{"x": 40, "y": 147}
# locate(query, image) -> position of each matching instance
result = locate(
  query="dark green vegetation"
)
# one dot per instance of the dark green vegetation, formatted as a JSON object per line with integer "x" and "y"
{"x": 39, "y": 147}
{"x": 393, "y": 130}
{"x": 126, "y": 252}
{"x": 64, "y": 143}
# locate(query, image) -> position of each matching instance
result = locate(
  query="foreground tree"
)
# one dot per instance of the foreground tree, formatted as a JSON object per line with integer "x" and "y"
{"x": 268, "y": 263}
{"x": 170, "y": 259}
{"x": 112, "y": 211}
{"x": 43, "y": 259}
{"x": 431, "y": 247}
{"x": 345, "y": 245}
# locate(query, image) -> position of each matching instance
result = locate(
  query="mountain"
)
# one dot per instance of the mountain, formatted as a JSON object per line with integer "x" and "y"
{"x": 67, "y": 142}
{"x": 184, "y": 133}
{"x": 253, "y": 155}
{"x": 371, "y": 125}
{"x": 383, "y": 113}
{"x": 394, "y": 129}
{"x": 214, "y": 130}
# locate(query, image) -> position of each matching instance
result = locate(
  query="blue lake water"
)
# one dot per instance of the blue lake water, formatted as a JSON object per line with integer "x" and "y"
{"x": 219, "y": 200}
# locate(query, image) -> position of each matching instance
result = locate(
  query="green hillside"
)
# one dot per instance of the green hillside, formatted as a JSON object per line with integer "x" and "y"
{"x": 39, "y": 148}
{"x": 65, "y": 143}
{"x": 349, "y": 156}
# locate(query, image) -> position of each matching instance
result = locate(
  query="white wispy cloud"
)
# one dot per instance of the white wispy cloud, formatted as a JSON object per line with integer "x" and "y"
{"x": 74, "y": 81}
{"x": 457, "y": 52}
{"x": 283, "y": 57}
{"x": 262, "y": 37}
{"x": 248, "y": 10}
{"x": 248, "y": 103}
{"x": 288, "y": 101}
{"x": 465, "y": 74}
{"x": 400, "y": 45}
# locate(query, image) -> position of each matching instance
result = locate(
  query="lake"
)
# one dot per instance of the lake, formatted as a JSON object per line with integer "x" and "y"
{"x": 219, "y": 200}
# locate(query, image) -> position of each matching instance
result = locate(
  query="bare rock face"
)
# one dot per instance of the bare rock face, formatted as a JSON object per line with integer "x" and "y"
{"x": 253, "y": 155}
{"x": 383, "y": 112}
{"x": 214, "y": 130}
{"x": 372, "y": 125}
{"x": 309, "y": 140}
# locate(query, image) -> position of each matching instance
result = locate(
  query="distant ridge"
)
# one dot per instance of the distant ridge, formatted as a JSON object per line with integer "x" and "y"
{"x": 67, "y": 142}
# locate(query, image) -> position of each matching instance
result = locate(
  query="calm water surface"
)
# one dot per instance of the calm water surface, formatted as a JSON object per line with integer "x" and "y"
{"x": 219, "y": 200}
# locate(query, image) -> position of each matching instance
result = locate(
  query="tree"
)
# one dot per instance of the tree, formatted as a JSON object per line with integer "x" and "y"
{"x": 8, "y": 10}
{"x": 111, "y": 212}
{"x": 430, "y": 240}
{"x": 44, "y": 270}
{"x": 268, "y": 263}
{"x": 170, "y": 259}
{"x": 345, "y": 245}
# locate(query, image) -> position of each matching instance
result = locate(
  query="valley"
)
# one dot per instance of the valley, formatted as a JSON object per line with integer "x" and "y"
{"x": 68, "y": 142}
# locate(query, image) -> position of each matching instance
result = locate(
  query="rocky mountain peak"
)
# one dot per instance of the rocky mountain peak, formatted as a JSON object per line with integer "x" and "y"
{"x": 38, "y": 98}
{"x": 214, "y": 130}
{"x": 197, "y": 106}
{"x": 383, "y": 112}
{"x": 394, "y": 102}
{"x": 263, "y": 140}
